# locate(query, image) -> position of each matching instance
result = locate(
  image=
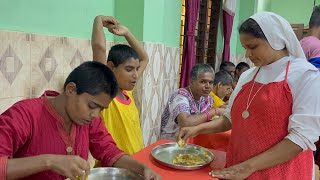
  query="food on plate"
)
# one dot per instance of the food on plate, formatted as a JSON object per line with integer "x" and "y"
{"x": 181, "y": 142}
{"x": 189, "y": 159}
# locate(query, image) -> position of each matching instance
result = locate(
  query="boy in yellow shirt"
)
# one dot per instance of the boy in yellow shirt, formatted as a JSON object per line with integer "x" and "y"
{"x": 222, "y": 85}
{"x": 127, "y": 63}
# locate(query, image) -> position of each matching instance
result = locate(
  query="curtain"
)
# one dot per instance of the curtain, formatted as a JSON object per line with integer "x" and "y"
{"x": 229, "y": 7}
{"x": 188, "y": 56}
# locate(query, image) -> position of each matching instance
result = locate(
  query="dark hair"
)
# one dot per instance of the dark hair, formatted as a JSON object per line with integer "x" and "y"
{"x": 223, "y": 77}
{"x": 225, "y": 64}
{"x": 251, "y": 27}
{"x": 315, "y": 17}
{"x": 200, "y": 69}
{"x": 120, "y": 53}
{"x": 242, "y": 65}
{"x": 93, "y": 78}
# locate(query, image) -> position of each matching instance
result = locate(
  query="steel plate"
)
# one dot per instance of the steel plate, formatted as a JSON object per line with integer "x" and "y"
{"x": 109, "y": 173}
{"x": 165, "y": 153}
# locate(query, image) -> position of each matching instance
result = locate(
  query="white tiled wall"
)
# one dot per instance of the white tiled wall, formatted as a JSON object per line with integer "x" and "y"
{"x": 32, "y": 63}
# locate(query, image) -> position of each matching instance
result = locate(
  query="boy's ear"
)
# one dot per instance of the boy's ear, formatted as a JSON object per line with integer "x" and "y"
{"x": 219, "y": 84}
{"x": 71, "y": 89}
{"x": 110, "y": 65}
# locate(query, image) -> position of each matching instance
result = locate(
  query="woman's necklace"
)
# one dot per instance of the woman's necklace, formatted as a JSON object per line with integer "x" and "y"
{"x": 198, "y": 107}
{"x": 245, "y": 113}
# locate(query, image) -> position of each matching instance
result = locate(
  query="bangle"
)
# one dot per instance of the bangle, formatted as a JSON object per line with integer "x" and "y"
{"x": 215, "y": 112}
{"x": 208, "y": 115}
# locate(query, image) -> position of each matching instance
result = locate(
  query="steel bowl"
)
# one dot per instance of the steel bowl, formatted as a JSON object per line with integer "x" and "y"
{"x": 165, "y": 153}
{"x": 110, "y": 173}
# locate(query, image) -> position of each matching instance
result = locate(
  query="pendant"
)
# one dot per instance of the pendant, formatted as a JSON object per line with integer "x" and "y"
{"x": 245, "y": 114}
{"x": 69, "y": 149}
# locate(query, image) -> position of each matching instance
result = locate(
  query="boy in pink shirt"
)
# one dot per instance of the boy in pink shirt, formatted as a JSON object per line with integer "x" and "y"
{"x": 50, "y": 137}
{"x": 311, "y": 43}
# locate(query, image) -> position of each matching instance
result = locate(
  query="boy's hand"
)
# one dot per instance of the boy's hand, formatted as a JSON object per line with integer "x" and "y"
{"x": 71, "y": 166}
{"x": 108, "y": 21}
{"x": 149, "y": 174}
{"x": 118, "y": 30}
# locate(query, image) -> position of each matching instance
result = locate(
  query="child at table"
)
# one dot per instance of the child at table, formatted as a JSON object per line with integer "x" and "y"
{"x": 127, "y": 63}
{"x": 311, "y": 43}
{"x": 49, "y": 137}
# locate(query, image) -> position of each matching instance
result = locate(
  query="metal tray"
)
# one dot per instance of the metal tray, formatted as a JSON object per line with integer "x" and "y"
{"x": 109, "y": 173}
{"x": 165, "y": 153}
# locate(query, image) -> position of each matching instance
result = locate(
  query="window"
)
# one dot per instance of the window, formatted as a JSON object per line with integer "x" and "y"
{"x": 206, "y": 31}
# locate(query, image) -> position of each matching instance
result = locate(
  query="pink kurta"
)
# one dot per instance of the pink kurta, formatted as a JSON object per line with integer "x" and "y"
{"x": 266, "y": 126}
{"x": 310, "y": 46}
{"x": 32, "y": 127}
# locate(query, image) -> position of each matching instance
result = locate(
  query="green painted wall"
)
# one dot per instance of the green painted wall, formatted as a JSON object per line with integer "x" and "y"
{"x": 71, "y": 18}
{"x": 263, "y": 5}
{"x": 246, "y": 9}
{"x": 171, "y": 24}
{"x": 156, "y": 21}
{"x": 295, "y": 11}
{"x": 130, "y": 14}
{"x": 162, "y": 22}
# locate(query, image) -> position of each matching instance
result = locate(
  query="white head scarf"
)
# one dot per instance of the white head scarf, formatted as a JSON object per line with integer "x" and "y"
{"x": 279, "y": 33}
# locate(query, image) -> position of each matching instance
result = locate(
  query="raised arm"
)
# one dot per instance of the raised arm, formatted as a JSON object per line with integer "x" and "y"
{"x": 134, "y": 43}
{"x": 98, "y": 39}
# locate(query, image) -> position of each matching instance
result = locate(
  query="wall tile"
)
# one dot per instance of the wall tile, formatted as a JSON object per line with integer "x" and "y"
{"x": 46, "y": 61}
{"x": 40, "y": 84}
{"x": 14, "y": 65}
{"x": 46, "y": 56}
{"x": 75, "y": 52}
{"x": 8, "y": 102}
{"x": 151, "y": 135}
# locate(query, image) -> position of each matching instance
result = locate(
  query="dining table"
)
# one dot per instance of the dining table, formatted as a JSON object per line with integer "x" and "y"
{"x": 168, "y": 173}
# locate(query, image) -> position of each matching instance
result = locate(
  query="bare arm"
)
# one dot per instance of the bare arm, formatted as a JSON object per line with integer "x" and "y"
{"x": 143, "y": 56}
{"x": 23, "y": 167}
{"x": 187, "y": 120}
{"x": 278, "y": 154}
{"x": 98, "y": 39}
{"x": 219, "y": 125}
{"x": 127, "y": 162}
{"x": 134, "y": 43}
{"x": 68, "y": 166}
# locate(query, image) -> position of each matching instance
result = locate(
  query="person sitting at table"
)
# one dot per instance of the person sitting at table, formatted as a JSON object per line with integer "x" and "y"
{"x": 311, "y": 43}
{"x": 274, "y": 109}
{"x": 240, "y": 68}
{"x": 190, "y": 106}
{"x": 222, "y": 85}
{"x": 49, "y": 137}
{"x": 228, "y": 67}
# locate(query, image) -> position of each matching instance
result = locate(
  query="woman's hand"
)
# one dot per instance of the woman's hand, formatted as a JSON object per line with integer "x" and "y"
{"x": 236, "y": 172}
{"x": 187, "y": 132}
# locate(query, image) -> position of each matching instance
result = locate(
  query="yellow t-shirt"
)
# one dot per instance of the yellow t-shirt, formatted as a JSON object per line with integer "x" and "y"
{"x": 217, "y": 102}
{"x": 122, "y": 121}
